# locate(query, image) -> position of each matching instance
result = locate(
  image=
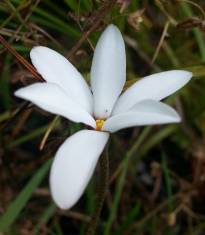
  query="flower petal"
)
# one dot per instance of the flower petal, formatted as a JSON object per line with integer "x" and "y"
{"x": 147, "y": 112}
{"x": 108, "y": 72}
{"x": 156, "y": 87}
{"x": 74, "y": 165}
{"x": 52, "y": 98}
{"x": 55, "y": 68}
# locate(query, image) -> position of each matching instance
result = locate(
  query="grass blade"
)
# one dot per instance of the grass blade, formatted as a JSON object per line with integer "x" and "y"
{"x": 19, "y": 203}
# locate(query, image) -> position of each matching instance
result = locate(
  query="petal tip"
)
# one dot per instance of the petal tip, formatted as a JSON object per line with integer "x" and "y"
{"x": 112, "y": 29}
{"x": 62, "y": 204}
{"x": 16, "y": 93}
{"x": 19, "y": 93}
{"x": 175, "y": 116}
{"x": 186, "y": 75}
{"x": 35, "y": 50}
{"x": 62, "y": 201}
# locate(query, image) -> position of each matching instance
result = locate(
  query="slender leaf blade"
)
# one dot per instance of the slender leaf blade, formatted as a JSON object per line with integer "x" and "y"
{"x": 19, "y": 203}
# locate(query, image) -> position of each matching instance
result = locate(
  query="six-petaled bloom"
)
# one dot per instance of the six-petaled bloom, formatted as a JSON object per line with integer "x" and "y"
{"x": 101, "y": 107}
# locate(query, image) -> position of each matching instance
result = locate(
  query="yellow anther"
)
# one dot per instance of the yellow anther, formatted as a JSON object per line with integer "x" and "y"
{"x": 99, "y": 124}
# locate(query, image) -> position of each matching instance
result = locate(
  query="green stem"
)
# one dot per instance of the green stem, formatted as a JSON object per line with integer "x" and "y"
{"x": 104, "y": 179}
{"x": 117, "y": 197}
{"x": 197, "y": 32}
{"x": 121, "y": 181}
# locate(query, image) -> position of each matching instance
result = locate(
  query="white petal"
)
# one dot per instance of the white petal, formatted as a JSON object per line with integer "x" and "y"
{"x": 52, "y": 98}
{"x": 147, "y": 112}
{"x": 74, "y": 165}
{"x": 155, "y": 87}
{"x": 108, "y": 72}
{"x": 55, "y": 68}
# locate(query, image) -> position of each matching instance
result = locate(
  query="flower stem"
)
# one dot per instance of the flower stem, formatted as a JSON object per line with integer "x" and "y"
{"x": 102, "y": 190}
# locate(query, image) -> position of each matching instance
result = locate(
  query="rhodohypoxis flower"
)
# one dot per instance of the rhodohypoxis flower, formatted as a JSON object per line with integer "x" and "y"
{"x": 102, "y": 107}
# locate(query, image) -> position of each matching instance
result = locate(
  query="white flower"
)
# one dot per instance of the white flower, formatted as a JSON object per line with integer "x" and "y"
{"x": 66, "y": 93}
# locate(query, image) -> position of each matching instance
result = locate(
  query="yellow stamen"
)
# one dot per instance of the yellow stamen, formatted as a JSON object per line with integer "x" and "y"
{"x": 99, "y": 124}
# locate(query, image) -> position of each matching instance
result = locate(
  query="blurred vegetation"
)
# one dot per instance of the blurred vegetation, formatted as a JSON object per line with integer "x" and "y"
{"x": 157, "y": 174}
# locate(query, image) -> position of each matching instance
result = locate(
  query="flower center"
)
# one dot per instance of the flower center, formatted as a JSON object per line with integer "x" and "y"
{"x": 99, "y": 124}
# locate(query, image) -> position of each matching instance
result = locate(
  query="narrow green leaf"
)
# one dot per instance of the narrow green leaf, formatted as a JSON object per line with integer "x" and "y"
{"x": 117, "y": 197}
{"x": 27, "y": 137}
{"x": 157, "y": 138}
{"x": 73, "y": 4}
{"x": 15, "y": 208}
{"x": 87, "y": 4}
{"x": 58, "y": 22}
{"x": 46, "y": 23}
{"x": 121, "y": 181}
{"x": 197, "y": 32}
{"x": 4, "y": 83}
{"x": 47, "y": 214}
{"x": 167, "y": 181}
{"x": 129, "y": 219}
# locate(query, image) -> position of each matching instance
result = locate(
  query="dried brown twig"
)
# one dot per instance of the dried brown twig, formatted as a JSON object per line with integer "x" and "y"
{"x": 24, "y": 62}
{"x": 85, "y": 35}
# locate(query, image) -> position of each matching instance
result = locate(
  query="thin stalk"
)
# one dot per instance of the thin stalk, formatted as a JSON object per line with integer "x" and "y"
{"x": 103, "y": 187}
{"x": 197, "y": 33}
{"x": 24, "y": 62}
{"x": 117, "y": 197}
{"x": 121, "y": 181}
{"x": 167, "y": 182}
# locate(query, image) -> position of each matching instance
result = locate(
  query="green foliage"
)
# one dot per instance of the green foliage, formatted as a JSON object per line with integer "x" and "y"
{"x": 156, "y": 173}
{"x": 15, "y": 208}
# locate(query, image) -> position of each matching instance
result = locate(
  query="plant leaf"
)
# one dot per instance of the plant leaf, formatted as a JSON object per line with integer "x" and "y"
{"x": 15, "y": 208}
